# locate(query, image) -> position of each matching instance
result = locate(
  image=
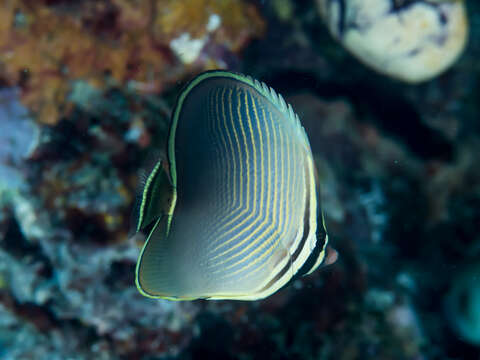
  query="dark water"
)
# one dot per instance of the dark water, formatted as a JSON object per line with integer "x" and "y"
{"x": 87, "y": 88}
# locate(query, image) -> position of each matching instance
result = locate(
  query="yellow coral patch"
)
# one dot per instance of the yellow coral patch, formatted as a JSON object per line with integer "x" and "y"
{"x": 44, "y": 48}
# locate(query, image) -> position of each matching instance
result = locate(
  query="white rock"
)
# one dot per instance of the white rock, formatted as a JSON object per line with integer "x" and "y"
{"x": 186, "y": 48}
{"x": 413, "y": 42}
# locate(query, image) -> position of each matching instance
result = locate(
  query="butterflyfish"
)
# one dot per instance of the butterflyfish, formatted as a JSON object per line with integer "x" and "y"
{"x": 233, "y": 211}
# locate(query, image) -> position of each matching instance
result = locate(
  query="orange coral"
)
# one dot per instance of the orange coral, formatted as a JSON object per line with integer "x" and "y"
{"x": 43, "y": 48}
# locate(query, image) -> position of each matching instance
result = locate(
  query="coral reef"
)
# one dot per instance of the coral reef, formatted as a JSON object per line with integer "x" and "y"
{"x": 46, "y": 45}
{"x": 18, "y": 138}
{"x": 71, "y": 267}
{"x": 86, "y": 93}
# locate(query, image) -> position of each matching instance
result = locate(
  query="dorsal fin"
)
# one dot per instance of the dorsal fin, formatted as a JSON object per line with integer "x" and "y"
{"x": 269, "y": 93}
{"x": 276, "y": 99}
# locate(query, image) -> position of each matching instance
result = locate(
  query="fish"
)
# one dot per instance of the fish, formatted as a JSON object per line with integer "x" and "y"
{"x": 232, "y": 211}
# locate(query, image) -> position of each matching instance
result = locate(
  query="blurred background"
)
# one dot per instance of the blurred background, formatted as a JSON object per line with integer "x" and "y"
{"x": 86, "y": 91}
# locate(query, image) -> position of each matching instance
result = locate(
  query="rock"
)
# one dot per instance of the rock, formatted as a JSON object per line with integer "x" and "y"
{"x": 412, "y": 41}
